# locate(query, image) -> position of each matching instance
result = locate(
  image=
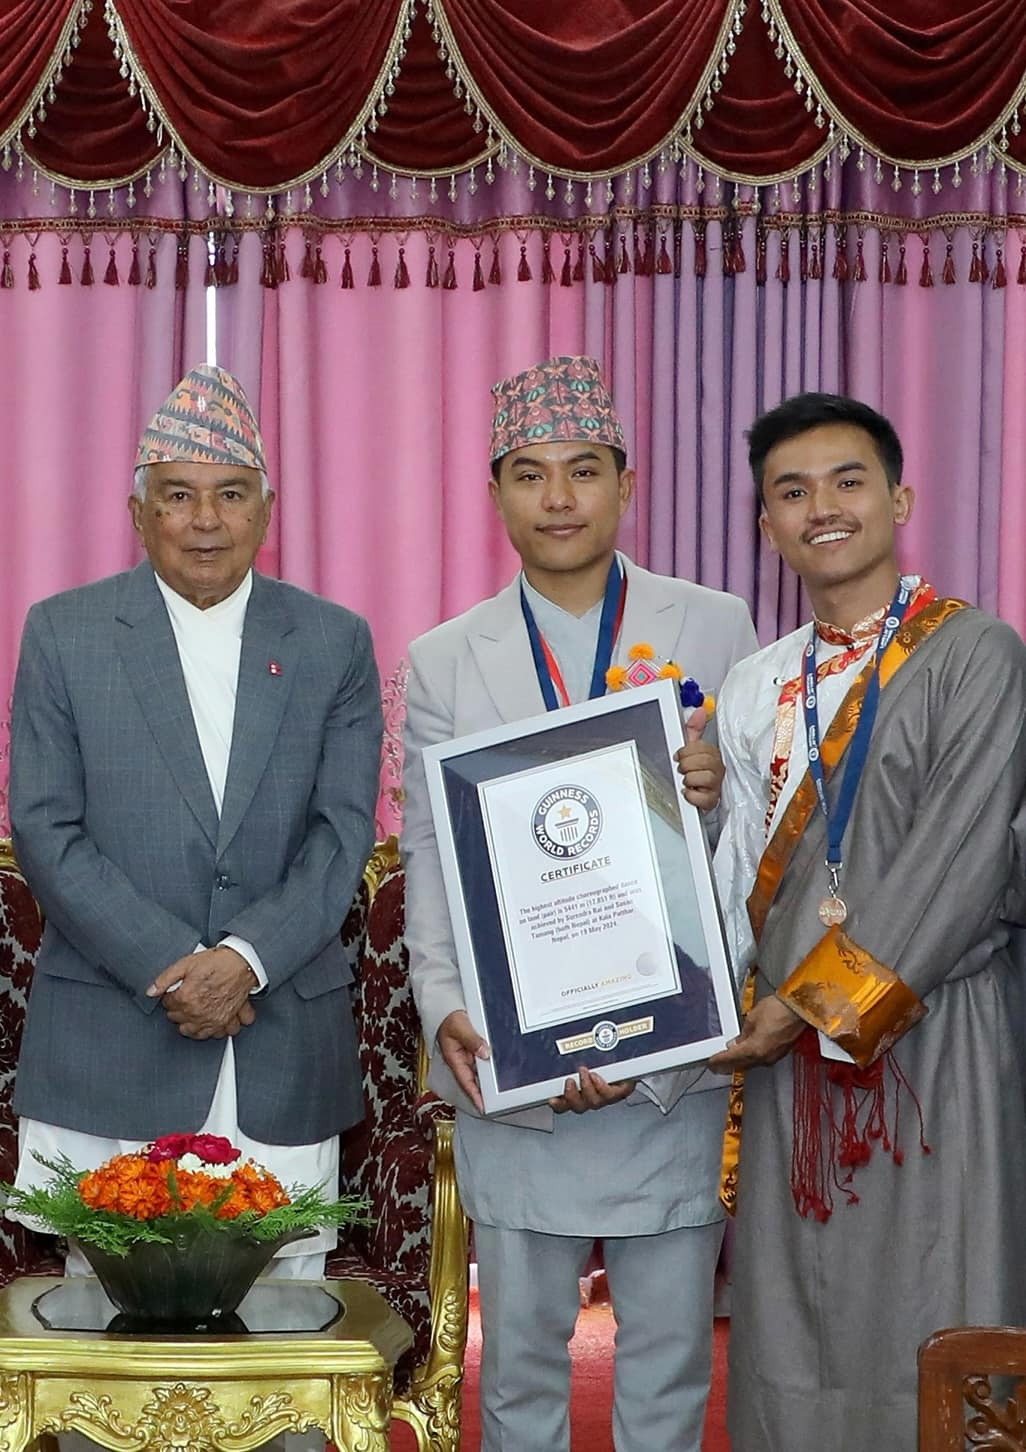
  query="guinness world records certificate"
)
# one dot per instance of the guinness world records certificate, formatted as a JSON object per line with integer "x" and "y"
{"x": 581, "y": 896}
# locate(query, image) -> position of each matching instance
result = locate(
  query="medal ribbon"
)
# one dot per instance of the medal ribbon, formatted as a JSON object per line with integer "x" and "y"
{"x": 550, "y": 678}
{"x": 837, "y": 820}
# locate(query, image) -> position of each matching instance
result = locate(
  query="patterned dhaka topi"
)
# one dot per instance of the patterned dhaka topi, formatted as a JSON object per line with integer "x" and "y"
{"x": 205, "y": 419}
{"x": 560, "y": 400}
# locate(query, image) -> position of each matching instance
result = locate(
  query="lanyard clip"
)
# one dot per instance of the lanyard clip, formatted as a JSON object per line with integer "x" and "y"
{"x": 834, "y": 869}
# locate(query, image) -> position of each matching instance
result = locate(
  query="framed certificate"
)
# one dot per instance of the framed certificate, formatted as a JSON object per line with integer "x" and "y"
{"x": 581, "y": 896}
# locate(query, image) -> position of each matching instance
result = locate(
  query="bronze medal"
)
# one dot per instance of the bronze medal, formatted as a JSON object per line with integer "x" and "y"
{"x": 832, "y": 912}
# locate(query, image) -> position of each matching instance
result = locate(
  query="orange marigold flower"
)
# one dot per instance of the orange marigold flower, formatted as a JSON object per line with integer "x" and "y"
{"x": 641, "y": 651}
{"x": 134, "y": 1185}
{"x": 616, "y": 677}
{"x": 670, "y": 671}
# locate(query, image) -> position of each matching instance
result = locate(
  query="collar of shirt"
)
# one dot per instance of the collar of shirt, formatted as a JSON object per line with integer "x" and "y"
{"x": 226, "y": 618}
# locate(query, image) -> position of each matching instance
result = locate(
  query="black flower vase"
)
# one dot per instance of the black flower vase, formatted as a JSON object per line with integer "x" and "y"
{"x": 193, "y": 1283}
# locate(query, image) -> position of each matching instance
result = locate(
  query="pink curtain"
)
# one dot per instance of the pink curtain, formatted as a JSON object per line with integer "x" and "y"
{"x": 84, "y": 367}
{"x": 375, "y": 403}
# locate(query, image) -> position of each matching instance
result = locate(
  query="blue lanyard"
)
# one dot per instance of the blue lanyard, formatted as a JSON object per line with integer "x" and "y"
{"x": 609, "y": 625}
{"x": 837, "y": 820}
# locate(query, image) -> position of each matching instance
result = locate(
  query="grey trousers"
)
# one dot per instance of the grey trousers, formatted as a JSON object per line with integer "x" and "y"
{"x": 661, "y": 1289}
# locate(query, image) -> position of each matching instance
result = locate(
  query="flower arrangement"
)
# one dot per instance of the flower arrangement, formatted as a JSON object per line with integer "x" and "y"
{"x": 642, "y": 671}
{"x": 180, "y": 1182}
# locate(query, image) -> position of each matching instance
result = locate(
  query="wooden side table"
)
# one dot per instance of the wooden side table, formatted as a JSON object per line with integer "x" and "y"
{"x": 195, "y": 1393}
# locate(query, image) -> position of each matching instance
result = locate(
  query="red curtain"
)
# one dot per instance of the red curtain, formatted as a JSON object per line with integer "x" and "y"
{"x": 32, "y": 37}
{"x": 260, "y": 94}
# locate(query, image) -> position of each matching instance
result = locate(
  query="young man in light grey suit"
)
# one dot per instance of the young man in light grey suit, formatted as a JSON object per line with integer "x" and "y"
{"x": 194, "y": 765}
{"x": 635, "y": 1166}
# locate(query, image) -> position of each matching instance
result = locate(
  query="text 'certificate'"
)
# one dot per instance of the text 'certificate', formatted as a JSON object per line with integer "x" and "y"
{"x": 579, "y": 891}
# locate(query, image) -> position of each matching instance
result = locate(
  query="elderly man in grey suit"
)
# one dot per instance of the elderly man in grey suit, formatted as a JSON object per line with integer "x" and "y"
{"x": 635, "y": 1166}
{"x": 194, "y": 763}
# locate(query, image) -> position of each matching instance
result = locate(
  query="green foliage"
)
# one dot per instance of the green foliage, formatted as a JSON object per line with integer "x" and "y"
{"x": 60, "y": 1211}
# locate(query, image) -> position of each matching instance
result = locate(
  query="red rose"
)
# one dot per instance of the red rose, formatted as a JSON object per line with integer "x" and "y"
{"x": 213, "y": 1149}
{"x": 169, "y": 1147}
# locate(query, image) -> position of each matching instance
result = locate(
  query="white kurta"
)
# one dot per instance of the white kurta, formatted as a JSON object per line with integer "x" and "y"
{"x": 209, "y": 647}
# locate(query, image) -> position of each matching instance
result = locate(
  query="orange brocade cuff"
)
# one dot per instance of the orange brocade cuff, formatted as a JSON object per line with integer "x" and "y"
{"x": 842, "y": 990}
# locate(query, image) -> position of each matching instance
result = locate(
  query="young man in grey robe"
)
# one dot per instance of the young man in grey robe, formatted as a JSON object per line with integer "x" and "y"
{"x": 882, "y": 1130}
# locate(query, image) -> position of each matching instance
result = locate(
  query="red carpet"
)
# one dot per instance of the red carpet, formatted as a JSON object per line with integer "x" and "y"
{"x": 591, "y": 1388}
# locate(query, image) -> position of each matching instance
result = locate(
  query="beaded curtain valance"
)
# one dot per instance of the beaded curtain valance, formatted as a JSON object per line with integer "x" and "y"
{"x": 604, "y": 127}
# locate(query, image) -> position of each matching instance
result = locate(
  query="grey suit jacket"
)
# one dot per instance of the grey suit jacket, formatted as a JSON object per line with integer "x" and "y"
{"x": 117, "y": 832}
{"x": 477, "y": 671}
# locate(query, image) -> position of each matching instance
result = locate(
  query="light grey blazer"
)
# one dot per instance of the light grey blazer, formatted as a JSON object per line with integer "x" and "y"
{"x": 117, "y": 832}
{"x": 477, "y": 671}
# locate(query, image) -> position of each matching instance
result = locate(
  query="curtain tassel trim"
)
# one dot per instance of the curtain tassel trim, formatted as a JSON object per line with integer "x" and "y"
{"x": 826, "y": 249}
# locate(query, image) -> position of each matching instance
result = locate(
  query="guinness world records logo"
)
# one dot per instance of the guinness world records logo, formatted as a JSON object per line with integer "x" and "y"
{"x": 567, "y": 822}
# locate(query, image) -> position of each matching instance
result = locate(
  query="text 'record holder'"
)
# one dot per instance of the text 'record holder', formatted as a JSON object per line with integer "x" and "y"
{"x": 581, "y": 896}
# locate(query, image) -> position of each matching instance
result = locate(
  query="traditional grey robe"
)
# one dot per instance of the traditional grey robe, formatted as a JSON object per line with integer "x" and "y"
{"x": 827, "y": 1317}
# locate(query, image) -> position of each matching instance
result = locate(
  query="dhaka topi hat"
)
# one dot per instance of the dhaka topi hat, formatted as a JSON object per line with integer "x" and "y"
{"x": 205, "y": 419}
{"x": 560, "y": 400}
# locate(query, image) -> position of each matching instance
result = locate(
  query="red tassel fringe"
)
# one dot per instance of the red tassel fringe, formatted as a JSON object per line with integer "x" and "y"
{"x": 832, "y": 1140}
{"x": 901, "y": 276}
{"x": 449, "y": 282}
{"x": 347, "y": 282}
{"x": 760, "y": 257}
{"x": 547, "y": 274}
{"x": 784, "y": 261}
{"x": 495, "y": 271}
{"x": 268, "y": 272}
{"x": 110, "y": 277}
{"x": 431, "y": 280}
{"x": 6, "y": 271}
{"x": 566, "y": 274}
{"x": 842, "y": 271}
{"x": 523, "y": 266}
{"x": 134, "y": 271}
{"x": 402, "y": 272}
{"x": 64, "y": 280}
{"x": 374, "y": 275}
{"x": 926, "y": 271}
{"x": 479, "y": 281}
{"x": 33, "y": 274}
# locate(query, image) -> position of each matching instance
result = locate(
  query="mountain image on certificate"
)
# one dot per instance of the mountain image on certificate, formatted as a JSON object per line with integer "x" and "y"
{"x": 580, "y": 896}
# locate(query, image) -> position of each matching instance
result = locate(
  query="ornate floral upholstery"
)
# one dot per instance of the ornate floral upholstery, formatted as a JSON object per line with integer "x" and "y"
{"x": 21, "y": 1252}
{"x": 415, "y": 1252}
